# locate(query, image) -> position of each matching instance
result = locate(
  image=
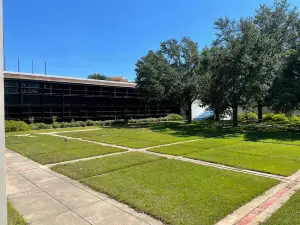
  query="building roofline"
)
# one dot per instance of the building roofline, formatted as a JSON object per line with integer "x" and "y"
{"x": 62, "y": 79}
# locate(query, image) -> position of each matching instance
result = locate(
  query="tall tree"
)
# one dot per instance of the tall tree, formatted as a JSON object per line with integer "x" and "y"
{"x": 285, "y": 92}
{"x": 233, "y": 68}
{"x": 277, "y": 28}
{"x": 98, "y": 76}
{"x": 171, "y": 74}
{"x": 212, "y": 90}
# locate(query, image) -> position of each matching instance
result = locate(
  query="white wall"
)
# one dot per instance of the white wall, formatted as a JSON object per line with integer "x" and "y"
{"x": 197, "y": 109}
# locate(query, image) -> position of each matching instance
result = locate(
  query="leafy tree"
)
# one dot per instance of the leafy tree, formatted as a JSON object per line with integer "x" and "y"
{"x": 234, "y": 66}
{"x": 97, "y": 76}
{"x": 212, "y": 90}
{"x": 171, "y": 74}
{"x": 276, "y": 33}
{"x": 285, "y": 92}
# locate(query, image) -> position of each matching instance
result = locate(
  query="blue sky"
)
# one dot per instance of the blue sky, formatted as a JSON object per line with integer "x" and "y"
{"x": 80, "y": 37}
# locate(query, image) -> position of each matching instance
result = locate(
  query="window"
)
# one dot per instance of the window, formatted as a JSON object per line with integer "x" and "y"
{"x": 11, "y": 87}
{"x": 31, "y": 88}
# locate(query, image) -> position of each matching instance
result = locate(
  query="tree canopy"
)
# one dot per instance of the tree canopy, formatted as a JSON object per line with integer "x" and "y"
{"x": 171, "y": 74}
{"x": 252, "y": 61}
{"x": 98, "y": 76}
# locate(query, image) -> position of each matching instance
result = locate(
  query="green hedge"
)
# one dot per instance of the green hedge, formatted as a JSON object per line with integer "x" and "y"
{"x": 268, "y": 117}
{"x": 54, "y": 125}
{"x": 12, "y": 126}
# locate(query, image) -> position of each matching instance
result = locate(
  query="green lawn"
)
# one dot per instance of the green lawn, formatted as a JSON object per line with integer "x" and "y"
{"x": 137, "y": 137}
{"x": 14, "y": 218}
{"x": 84, "y": 169}
{"x": 185, "y": 148}
{"x": 133, "y": 138}
{"x": 292, "y": 138}
{"x": 271, "y": 158}
{"x": 289, "y": 214}
{"x": 47, "y": 149}
{"x": 179, "y": 192}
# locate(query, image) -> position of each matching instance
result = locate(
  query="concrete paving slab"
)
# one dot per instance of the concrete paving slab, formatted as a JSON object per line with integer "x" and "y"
{"x": 42, "y": 178}
{"x": 103, "y": 213}
{"x": 22, "y": 166}
{"x": 72, "y": 196}
{"x": 16, "y": 184}
{"x": 37, "y": 206}
{"x": 237, "y": 215}
{"x": 68, "y": 218}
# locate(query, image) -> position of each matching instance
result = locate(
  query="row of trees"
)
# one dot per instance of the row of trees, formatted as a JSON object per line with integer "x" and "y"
{"x": 254, "y": 61}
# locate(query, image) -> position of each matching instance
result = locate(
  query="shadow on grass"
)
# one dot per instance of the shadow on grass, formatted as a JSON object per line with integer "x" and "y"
{"x": 184, "y": 130}
{"x": 274, "y": 135}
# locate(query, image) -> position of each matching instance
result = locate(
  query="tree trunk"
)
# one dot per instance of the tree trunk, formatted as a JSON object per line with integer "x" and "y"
{"x": 235, "y": 115}
{"x": 217, "y": 114}
{"x": 260, "y": 112}
{"x": 188, "y": 113}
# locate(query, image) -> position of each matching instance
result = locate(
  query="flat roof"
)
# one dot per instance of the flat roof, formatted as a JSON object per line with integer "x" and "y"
{"x": 61, "y": 79}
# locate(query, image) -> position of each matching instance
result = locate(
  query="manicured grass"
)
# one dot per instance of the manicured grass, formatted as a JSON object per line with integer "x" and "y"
{"x": 271, "y": 158}
{"x": 47, "y": 149}
{"x": 104, "y": 165}
{"x": 14, "y": 218}
{"x": 185, "y": 148}
{"x": 289, "y": 214}
{"x": 274, "y": 136}
{"x": 179, "y": 192}
{"x": 138, "y": 137}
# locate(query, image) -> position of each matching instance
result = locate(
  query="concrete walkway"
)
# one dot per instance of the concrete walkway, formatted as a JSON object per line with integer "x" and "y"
{"x": 44, "y": 197}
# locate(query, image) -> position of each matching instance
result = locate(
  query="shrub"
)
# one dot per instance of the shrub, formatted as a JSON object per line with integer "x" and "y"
{"x": 91, "y": 123}
{"x": 295, "y": 119}
{"x": 11, "y": 126}
{"x": 78, "y": 123}
{"x": 279, "y": 118}
{"x": 65, "y": 125}
{"x": 43, "y": 126}
{"x": 268, "y": 117}
{"x": 33, "y": 126}
{"x": 248, "y": 116}
{"x": 56, "y": 125}
{"x": 174, "y": 117}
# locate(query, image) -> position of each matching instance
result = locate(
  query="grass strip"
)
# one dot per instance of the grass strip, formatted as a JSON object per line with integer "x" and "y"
{"x": 179, "y": 192}
{"x": 94, "y": 167}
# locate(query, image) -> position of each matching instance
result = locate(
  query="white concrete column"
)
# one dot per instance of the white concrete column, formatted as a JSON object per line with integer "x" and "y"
{"x": 3, "y": 206}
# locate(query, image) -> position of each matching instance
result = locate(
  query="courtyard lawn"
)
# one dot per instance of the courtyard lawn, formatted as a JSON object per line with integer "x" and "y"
{"x": 143, "y": 137}
{"x": 270, "y": 158}
{"x": 179, "y": 192}
{"x": 185, "y": 148}
{"x": 46, "y": 149}
{"x": 14, "y": 218}
{"x": 104, "y": 165}
{"x": 289, "y": 214}
{"x": 292, "y": 138}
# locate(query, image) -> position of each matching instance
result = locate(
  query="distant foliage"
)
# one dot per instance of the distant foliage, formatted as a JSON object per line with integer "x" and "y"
{"x": 251, "y": 116}
{"x": 295, "y": 119}
{"x": 97, "y": 76}
{"x": 12, "y": 126}
{"x": 279, "y": 118}
{"x": 268, "y": 117}
{"x": 43, "y": 126}
{"x": 175, "y": 117}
